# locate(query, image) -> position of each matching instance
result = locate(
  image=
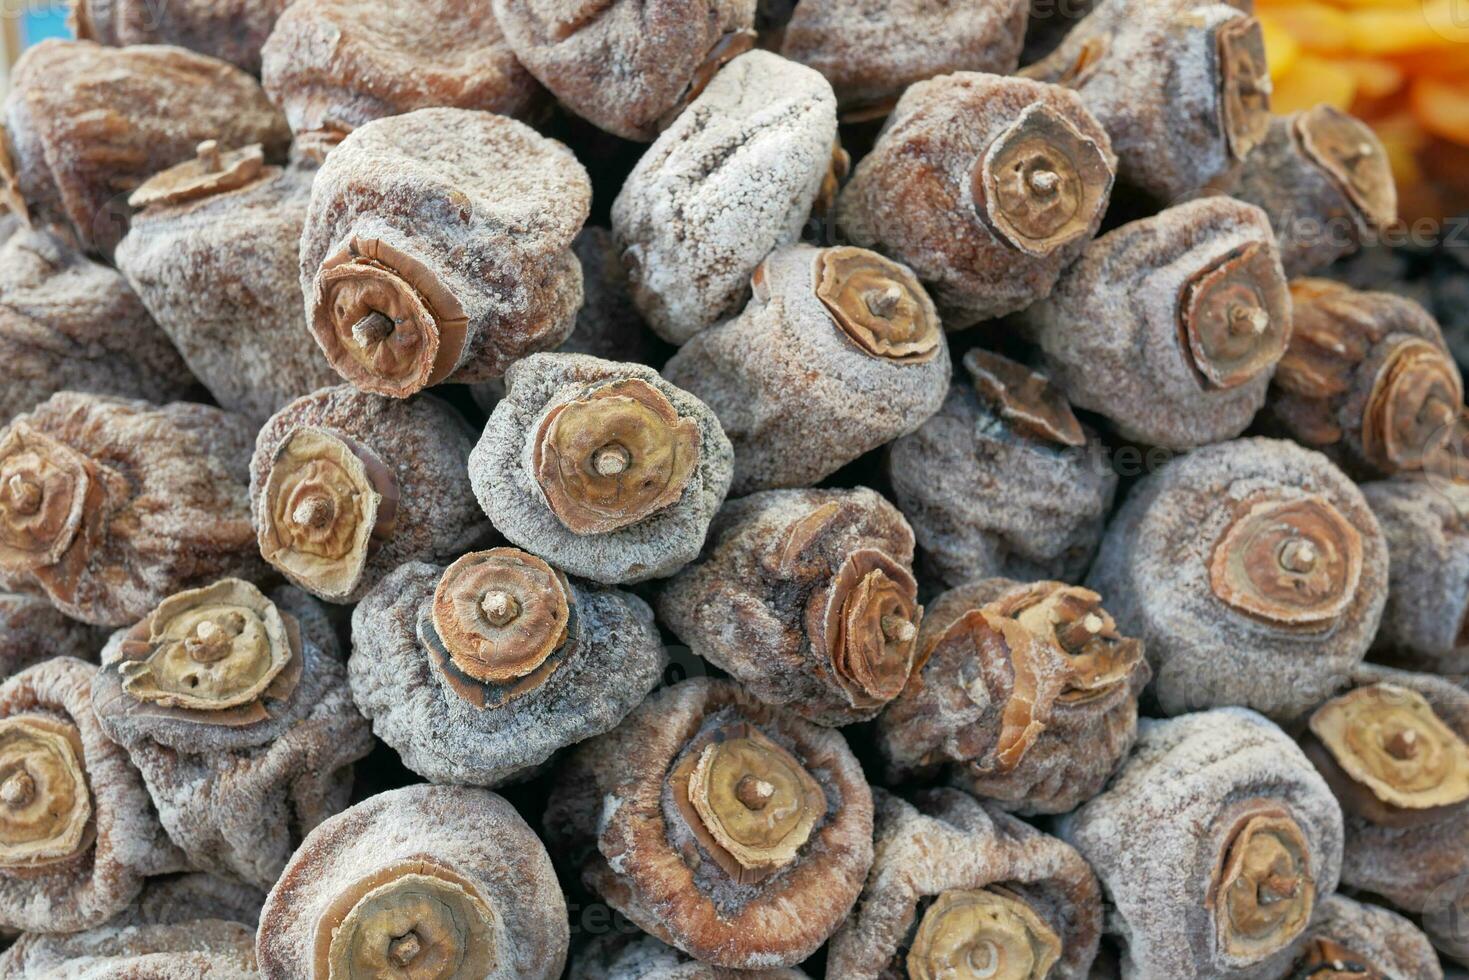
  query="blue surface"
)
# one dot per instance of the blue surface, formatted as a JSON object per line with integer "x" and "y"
{"x": 39, "y": 24}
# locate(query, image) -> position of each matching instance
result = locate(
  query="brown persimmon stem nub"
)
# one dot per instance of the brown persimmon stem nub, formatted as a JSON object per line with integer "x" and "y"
{"x": 415, "y": 921}
{"x": 614, "y": 457}
{"x": 45, "y": 805}
{"x": 1348, "y": 151}
{"x": 1414, "y": 409}
{"x": 326, "y": 500}
{"x": 871, "y": 629}
{"x": 982, "y": 934}
{"x": 1292, "y": 562}
{"x": 1041, "y": 184}
{"x": 210, "y": 649}
{"x": 1389, "y": 742}
{"x": 1024, "y": 399}
{"x": 750, "y": 801}
{"x": 44, "y": 485}
{"x": 1232, "y": 319}
{"x": 1263, "y": 892}
{"x": 385, "y": 320}
{"x": 878, "y": 304}
{"x": 1244, "y": 84}
{"x": 500, "y": 614}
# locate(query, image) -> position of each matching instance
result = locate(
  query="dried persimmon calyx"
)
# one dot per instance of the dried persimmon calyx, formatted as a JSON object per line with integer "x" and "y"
{"x": 1042, "y": 182}
{"x": 748, "y": 801}
{"x": 1099, "y": 657}
{"x": 415, "y": 917}
{"x": 878, "y": 303}
{"x": 1294, "y": 562}
{"x": 44, "y": 489}
{"x": 1027, "y": 401}
{"x": 1346, "y": 149}
{"x": 614, "y": 457}
{"x": 214, "y": 170}
{"x": 326, "y": 501}
{"x": 385, "y": 322}
{"x": 497, "y": 620}
{"x": 210, "y": 649}
{"x": 1230, "y": 322}
{"x": 1389, "y": 756}
{"x": 974, "y": 933}
{"x": 45, "y": 803}
{"x": 1414, "y": 410}
{"x": 1263, "y": 894}
{"x": 1245, "y": 85}
{"x": 871, "y": 633}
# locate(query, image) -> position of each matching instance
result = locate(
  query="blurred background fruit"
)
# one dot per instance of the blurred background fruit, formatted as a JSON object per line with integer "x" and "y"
{"x": 1402, "y": 65}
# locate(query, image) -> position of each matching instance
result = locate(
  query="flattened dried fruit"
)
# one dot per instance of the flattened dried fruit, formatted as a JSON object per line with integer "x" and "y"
{"x": 70, "y": 324}
{"x": 348, "y": 485}
{"x": 735, "y": 177}
{"x": 111, "y": 506}
{"x": 77, "y": 830}
{"x": 808, "y": 598}
{"x": 604, "y": 469}
{"x": 839, "y": 352}
{"x": 988, "y": 893}
{"x": 421, "y": 881}
{"x": 333, "y": 65}
{"x": 1181, "y": 86}
{"x": 33, "y": 630}
{"x": 1324, "y": 179}
{"x": 1368, "y": 379}
{"x": 1397, "y": 768}
{"x": 870, "y": 54}
{"x": 231, "y": 30}
{"x": 626, "y": 67}
{"x": 212, "y": 948}
{"x": 1254, "y": 573}
{"x": 242, "y": 727}
{"x": 1003, "y": 479}
{"x": 1425, "y": 624}
{"x": 1025, "y": 694}
{"x": 1351, "y": 940}
{"x": 986, "y": 186}
{"x": 479, "y": 672}
{"x": 1171, "y": 326}
{"x": 438, "y": 247}
{"x": 216, "y": 259}
{"x": 1389, "y": 756}
{"x": 85, "y": 125}
{"x": 1220, "y": 811}
{"x": 729, "y": 829}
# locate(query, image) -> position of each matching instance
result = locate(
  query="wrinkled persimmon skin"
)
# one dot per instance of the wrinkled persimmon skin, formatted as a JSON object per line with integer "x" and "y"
{"x": 446, "y": 880}
{"x": 808, "y": 598}
{"x": 958, "y": 886}
{"x": 86, "y": 124}
{"x": 1023, "y": 694}
{"x": 1368, "y": 379}
{"x": 154, "y": 502}
{"x": 651, "y": 859}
